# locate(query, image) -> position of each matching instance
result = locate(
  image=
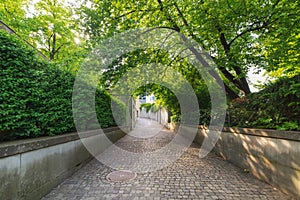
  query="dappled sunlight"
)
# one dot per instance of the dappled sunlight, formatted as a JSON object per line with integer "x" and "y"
{"x": 263, "y": 153}
{"x": 255, "y": 169}
{"x": 296, "y": 166}
{"x": 285, "y": 144}
{"x": 296, "y": 181}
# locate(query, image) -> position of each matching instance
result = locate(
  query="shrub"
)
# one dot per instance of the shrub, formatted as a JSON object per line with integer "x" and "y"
{"x": 277, "y": 106}
{"x": 148, "y": 107}
{"x": 36, "y": 97}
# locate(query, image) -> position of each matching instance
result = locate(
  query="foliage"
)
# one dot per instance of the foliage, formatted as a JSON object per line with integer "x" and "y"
{"x": 164, "y": 92}
{"x": 36, "y": 97}
{"x": 166, "y": 98}
{"x": 48, "y": 25}
{"x": 13, "y": 14}
{"x": 175, "y": 118}
{"x": 53, "y": 28}
{"x": 277, "y": 106}
{"x": 235, "y": 33}
{"x": 147, "y": 106}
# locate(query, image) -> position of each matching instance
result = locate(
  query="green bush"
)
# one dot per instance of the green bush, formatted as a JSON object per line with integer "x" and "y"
{"x": 36, "y": 97}
{"x": 148, "y": 107}
{"x": 275, "y": 107}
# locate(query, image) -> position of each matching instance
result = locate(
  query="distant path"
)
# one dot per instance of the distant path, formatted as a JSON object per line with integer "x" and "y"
{"x": 187, "y": 178}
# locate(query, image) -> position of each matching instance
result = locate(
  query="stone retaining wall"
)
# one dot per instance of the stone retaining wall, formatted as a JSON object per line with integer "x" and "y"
{"x": 270, "y": 155}
{"x": 30, "y": 168}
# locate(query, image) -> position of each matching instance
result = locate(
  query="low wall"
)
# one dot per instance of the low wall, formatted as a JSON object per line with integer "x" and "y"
{"x": 270, "y": 155}
{"x": 30, "y": 168}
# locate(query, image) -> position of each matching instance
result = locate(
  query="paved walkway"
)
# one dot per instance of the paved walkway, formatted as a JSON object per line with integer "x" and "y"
{"x": 187, "y": 178}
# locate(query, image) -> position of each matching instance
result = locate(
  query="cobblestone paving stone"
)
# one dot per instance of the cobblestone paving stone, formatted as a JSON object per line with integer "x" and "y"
{"x": 188, "y": 178}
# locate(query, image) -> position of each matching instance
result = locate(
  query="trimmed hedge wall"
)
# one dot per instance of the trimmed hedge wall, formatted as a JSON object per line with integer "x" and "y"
{"x": 36, "y": 97}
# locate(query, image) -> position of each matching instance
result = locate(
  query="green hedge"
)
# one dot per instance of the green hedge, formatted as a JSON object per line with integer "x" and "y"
{"x": 275, "y": 107}
{"x": 150, "y": 107}
{"x": 36, "y": 97}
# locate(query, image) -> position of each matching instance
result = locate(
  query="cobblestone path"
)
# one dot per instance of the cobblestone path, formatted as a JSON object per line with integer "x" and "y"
{"x": 188, "y": 178}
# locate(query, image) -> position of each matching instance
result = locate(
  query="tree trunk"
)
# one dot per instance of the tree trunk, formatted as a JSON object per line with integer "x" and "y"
{"x": 53, "y": 51}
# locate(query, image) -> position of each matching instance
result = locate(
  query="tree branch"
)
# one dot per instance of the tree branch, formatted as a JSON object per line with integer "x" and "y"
{"x": 223, "y": 40}
{"x": 125, "y": 14}
{"x": 240, "y": 83}
{"x": 198, "y": 55}
{"x": 133, "y": 11}
{"x": 59, "y": 48}
{"x": 181, "y": 15}
{"x": 185, "y": 22}
{"x": 49, "y": 42}
{"x": 169, "y": 18}
{"x": 252, "y": 28}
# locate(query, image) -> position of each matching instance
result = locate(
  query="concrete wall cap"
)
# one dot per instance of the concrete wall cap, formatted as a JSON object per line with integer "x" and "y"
{"x": 20, "y": 146}
{"x": 286, "y": 135}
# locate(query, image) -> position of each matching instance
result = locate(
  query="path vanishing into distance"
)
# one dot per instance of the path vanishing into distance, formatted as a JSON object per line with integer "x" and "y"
{"x": 187, "y": 178}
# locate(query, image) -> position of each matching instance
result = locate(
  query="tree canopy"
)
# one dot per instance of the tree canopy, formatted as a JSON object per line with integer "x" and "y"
{"x": 48, "y": 25}
{"x": 237, "y": 34}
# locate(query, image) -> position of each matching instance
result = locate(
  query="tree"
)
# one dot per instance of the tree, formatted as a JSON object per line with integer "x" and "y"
{"x": 282, "y": 44}
{"x": 53, "y": 27}
{"x": 12, "y": 12}
{"x": 50, "y": 26}
{"x": 235, "y": 33}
